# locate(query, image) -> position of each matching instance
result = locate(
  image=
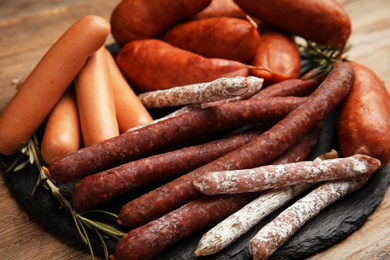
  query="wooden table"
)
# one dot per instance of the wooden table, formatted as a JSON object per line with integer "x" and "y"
{"x": 29, "y": 27}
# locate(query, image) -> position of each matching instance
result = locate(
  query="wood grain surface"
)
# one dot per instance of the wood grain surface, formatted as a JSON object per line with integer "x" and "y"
{"x": 29, "y": 27}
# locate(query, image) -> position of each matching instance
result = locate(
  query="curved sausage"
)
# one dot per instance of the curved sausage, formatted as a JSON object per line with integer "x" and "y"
{"x": 363, "y": 124}
{"x": 154, "y": 64}
{"x": 134, "y": 20}
{"x": 325, "y": 22}
{"x": 217, "y": 37}
{"x": 48, "y": 81}
{"x": 278, "y": 52}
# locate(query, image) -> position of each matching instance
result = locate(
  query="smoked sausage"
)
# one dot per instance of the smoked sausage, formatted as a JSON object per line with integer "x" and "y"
{"x": 48, "y": 81}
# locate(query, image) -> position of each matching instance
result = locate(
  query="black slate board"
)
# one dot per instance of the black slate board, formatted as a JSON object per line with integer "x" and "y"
{"x": 330, "y": 227}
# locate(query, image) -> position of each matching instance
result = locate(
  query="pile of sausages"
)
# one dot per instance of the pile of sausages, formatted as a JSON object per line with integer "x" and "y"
{"x": 244, "y": 124}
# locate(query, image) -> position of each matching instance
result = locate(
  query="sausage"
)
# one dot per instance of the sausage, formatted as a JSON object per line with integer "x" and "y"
{"x": 279, "y": 230}
{"x": 140, "y": 142}
{"x": 261, "y": 150}
{"x": 128, "y": 108}
{"x": 231, "y": 228}
{"x": 97, "y": 188}
{"x": 278, "y": 52}
{"x": 62, "y": 133}
{"x": 303, "y": 18}
{"x": 290, "y": 87}
{"x": 48, "y": 81}
{"x": 134, "y": 20}
{"x": 220, "y": 8}
{"x": 95, "y": 100}
{"x": 279, "y": 176}
{"x": 154, "y": 64}
{"x": 148, "y": 240}
{"x": 217, "y": 37}
{"x": 362, "y": 120}
{"x": 219, "y": 89}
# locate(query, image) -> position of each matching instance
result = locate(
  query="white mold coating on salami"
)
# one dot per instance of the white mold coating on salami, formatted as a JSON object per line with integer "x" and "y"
{"x": 279, "y": 230}
{"x": 218, "y": 89}
{"x": 227, "y": 231}
{"x": 277, "y": 176}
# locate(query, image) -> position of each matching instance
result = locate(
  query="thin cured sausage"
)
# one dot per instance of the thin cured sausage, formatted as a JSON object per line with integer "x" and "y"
{"x": 279, "y": 230}
{"x": 279, "y": 176}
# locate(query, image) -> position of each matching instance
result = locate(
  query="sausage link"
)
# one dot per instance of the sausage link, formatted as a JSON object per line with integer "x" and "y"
{"x": 261, "y": 150}
{"x": 279, "y": 230}
{"x": 100, "y": 187}
{"x": 137, "y": 143}
{"x": 279, "y": 176}
{"x": 150, "y": 239}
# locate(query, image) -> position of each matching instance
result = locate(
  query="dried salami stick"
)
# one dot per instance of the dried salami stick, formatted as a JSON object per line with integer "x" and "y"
{"x": 148, "y": 240}
{"x": 134, "y": 144}
{"x": 222, "y": 88}
{"x": 279, "y": 176}
{"x": 255, "y": 86}
{"x": 279, "y": 230}
{"x": 237, "y": 224}
{"x": 103, "y": 186}
{"x": 263, "y": 149}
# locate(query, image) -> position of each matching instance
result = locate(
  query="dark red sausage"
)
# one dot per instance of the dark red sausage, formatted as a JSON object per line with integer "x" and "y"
{"x": 100, "y": 187}
{"x": 263, "y": 149}
{"x": 134, "y": 144}
{"x": 148, "y": 240}
{"x": 290, "y": 87}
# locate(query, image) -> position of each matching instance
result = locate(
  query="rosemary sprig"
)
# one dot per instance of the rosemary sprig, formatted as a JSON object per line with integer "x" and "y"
{"x": 320, "y": 58}
{"x": 30, "y": 154}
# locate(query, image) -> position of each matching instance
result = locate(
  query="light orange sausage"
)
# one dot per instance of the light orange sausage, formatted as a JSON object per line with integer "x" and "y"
{"x": 48, "y": 81}
{"x": 95, "y": 100}
{"x": 62, "y": 133}
{"x": 130, "y": 112}
{"x": 363, "y": 124}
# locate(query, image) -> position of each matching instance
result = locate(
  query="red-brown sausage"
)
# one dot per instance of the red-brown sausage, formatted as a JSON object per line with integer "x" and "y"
{"x": 363, "y": 124}
{"x": 155, "y": 64}
{"x": 97, "y": 188}
{"x": 290, "y": 87}
{"x": 148, "y": 240}
{"x": 261, "y": 150}
{"x": 140, "y": 142}
{"x": 278, "y": 52}
{"x": 218, "y": 37}
{"x": 134, "y": 20}
{"x": 325, "y": 22}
